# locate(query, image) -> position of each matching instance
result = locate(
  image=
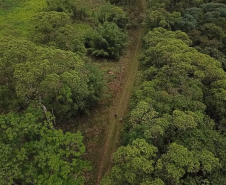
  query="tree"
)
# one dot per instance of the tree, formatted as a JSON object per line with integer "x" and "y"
{"x": 134, "y": 164}
{"x": 158, "y": 18}
{"x": 114, "y": 14}
{"x": 144, "y": 123}
{"x": 160, "y": 34}
{"x": 178, "y": 105}
{"x": 46, "y": 25}
{"x": 55, "y": 29}
{"x": 177, "y": 86}
{"x": 215, "y": 53}
{"x": 58, "y": 80}
{"x": 107, "y": 40}
{"x": 36, "y": 153}
{"x": 187, "y": 23}
{"x": 178, "y": 161}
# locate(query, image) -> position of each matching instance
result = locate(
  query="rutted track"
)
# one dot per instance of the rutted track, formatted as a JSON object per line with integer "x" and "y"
{"x": 121, "y": 103}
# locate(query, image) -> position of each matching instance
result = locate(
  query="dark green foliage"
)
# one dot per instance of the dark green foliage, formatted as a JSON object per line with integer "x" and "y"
{"x": 73, "y": 8}
{"x": 160, "y": 17}
{"x": 210, "y": 7}
{"x": 179, "y": 105}
{"x": 36, "y": 153}
{"x": 46, "y": 25}
{"x": 183, "y": 4}
{"x": 114, "y": 14}
{"x": 106, "y": 40}
{"x": 123, "y": 2}
{"x": 55, "y": 29}
{"x": 187, "y": 23}
{"x": 95, "y": 84}
{"x": 206, "y": 28}
{"x": 61, "y": 6}
{"x": 114, "y": 1}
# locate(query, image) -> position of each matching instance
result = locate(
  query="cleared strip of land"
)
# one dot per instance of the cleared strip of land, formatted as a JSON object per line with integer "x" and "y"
{"x": 121, "y": 103}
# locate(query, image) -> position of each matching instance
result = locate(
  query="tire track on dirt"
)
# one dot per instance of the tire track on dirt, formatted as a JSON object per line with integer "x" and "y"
{"x": 122, "y": 101}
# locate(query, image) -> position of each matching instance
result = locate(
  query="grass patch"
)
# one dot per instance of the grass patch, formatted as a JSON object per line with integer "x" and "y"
{"x": 15, "y": 16}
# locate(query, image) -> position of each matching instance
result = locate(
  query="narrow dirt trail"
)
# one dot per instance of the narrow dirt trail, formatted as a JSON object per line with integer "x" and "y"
{"x": 121, "y": 103}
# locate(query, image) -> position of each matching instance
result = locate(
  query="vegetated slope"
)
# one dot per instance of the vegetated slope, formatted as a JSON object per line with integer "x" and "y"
{"x": 121, "y": 102}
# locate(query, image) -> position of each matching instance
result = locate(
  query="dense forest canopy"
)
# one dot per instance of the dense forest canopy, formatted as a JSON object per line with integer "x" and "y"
{"x": 175, "y": 133}
{"x": 56, "y": 79}
{"x": 35, "y": 153}
{"x": 47, "y": 78}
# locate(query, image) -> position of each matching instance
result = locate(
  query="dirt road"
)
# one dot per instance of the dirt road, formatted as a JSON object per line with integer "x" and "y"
{"x": 121, "y": 102}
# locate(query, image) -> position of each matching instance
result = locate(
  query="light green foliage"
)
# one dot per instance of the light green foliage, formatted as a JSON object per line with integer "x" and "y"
{"x": 185, "y": 66}
{"x": 144, "y": 123}
{"x": 142, "y": 114}
{"x": 183, "y": 121}
{"x": 107, "y": 40}
{"x": 133, "y": 164}
{"x": 160, "y": 35}
{"x": 15, "y": 16}
{"x": 60, "y": 80}
{"x": 157, "y": 18}
{"x": 178, "y": 160}
{"x": 215, "y": 53}
{"x": 178, "y": 92}
{"x": 46, "y": 25}
{"x": 33, "y": 152}
{"x": 177, "y": 85}
{"x": 178, "y": 61}
{"x": 208, "y": 161}
{"x": 208, "y": 36}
